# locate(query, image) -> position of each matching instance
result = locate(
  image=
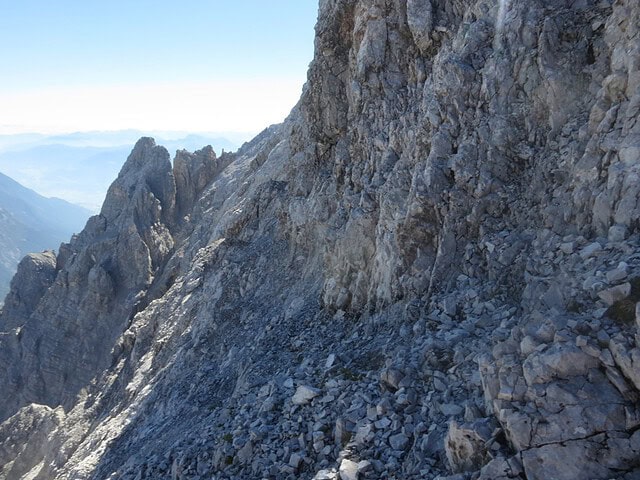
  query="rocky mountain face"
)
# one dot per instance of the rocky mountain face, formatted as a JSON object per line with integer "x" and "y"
{"x": 31, "y": 223}
{"x": 429, "y": 270}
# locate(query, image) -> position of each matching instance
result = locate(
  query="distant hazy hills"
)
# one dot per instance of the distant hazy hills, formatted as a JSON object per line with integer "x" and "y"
{"x": 30, "y": 222}
{"x": 79, "y": 167}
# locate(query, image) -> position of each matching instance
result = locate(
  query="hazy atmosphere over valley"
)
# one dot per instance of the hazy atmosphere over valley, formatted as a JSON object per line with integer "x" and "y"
{"x": 403, "y": 244}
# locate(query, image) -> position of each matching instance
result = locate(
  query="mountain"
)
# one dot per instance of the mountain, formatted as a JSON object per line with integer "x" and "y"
{"x": 79, "y": 167}
{"x": 31, "y": 223}
{"x": 429, "y": 270}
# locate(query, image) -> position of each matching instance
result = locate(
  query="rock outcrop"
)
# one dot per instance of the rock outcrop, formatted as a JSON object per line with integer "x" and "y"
{"x": 429, "y": 270}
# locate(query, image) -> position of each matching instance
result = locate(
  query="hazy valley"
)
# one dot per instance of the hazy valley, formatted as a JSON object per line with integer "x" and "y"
{"x": 32, "y": 223}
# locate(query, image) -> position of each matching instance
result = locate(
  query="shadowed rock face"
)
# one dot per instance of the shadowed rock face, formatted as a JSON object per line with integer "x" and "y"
{"x": 95, "y": 285}
{"x": 36, "y": 272}
{"x": 193, "y": 172}
{"x": 428, "y": 244}
{"x": 99, "y": 277}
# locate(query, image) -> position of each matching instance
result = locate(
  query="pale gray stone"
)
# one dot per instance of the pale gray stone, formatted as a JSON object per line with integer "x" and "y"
{"x": 245, "y": 454}
{"x": 527, "y": 345}
{"x": 627, "y": 359}
{"x": 618, "y": 274}
{"x": 590, "y": 250}
{"x": 617, "y": 233}
{"x": 348, "y": 470}
{"x": 567, "y": 247}
{"x": 304, "y": 394}
{"x": 557, "y": 361}
{"x": 391, "y": 378}
{"x": 615, "y": 294}
{"x": 451, "y": 409}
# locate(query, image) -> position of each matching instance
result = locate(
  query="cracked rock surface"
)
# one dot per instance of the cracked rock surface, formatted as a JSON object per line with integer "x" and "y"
{"x": 431, "y": 269}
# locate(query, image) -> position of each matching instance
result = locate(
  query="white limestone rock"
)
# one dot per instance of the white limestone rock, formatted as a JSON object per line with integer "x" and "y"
{"x": 615, "y": 294}
{"x": 304, "y": 394}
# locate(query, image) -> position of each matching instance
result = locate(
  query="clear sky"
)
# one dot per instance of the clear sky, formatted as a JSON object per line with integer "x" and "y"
{"x": 195, "y": 65}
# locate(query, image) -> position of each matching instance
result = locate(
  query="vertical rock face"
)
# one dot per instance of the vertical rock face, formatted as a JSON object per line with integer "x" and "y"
{"x": 193, "y": 172}
{"x": 62, "y": 320}
{"x": 439, "y": 242}
{"x": 36, "y": 272}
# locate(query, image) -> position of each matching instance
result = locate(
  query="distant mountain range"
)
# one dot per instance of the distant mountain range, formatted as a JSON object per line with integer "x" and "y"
{"x": 30, "y": 222}
{"x": 79, "y": 167}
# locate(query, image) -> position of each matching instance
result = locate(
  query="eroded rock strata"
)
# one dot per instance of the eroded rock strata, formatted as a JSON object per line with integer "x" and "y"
{"x": 429, "y": 270}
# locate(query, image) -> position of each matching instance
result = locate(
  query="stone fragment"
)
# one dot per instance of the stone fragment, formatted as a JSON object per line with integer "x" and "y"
{"x": 545, "y": 333}
{"x": 391, "y": 378}
{"x": 245, "y": 454}
{"x": 295, "y": 460}
{"x": 606, "y": 358}
{"x": 617, "y": 274}
{"x": 592, "y": 284}
{"x": 330, "y": 361}
{"x": 628, "y": 359}
{"x": 590, "y": 250}
{"x": 617, "y": 233}
{"x": 567, "y": 247}
{"x": 590, "y": 349}
{"x": 432, "y": 443}
{"x": 615, "y": 294}
{"x": 581, "y": 341}
{"x": 304, "y": 394}
{"x": 527, "y": 345}
{"x": 439, "y": 385}
{"x": 399, "y": 441}
{"x": 364, "y": 466}
{"x": 450, "y": 306}
{"x": 325, "y": 474}
{"x": 348, "y": 470}
{"x": 561, "y": 360}
{"x": 603, "y": 338}
{"x": 382, "y": 423}
{"x": 363, "y": 434}
{"x": 618, "y": 381}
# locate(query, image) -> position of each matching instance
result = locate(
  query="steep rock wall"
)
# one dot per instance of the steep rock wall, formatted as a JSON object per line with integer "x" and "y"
{"x": 430, "y": 267}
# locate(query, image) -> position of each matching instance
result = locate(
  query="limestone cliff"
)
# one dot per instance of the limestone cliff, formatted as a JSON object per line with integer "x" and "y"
{"x": 429, "y": 269}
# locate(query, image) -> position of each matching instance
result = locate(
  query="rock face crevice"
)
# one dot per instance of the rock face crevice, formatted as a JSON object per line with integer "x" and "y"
{"x": 429, "y": 268}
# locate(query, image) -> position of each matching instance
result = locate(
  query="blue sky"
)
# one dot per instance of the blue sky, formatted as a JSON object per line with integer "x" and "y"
{"x": 64, "y": 59}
